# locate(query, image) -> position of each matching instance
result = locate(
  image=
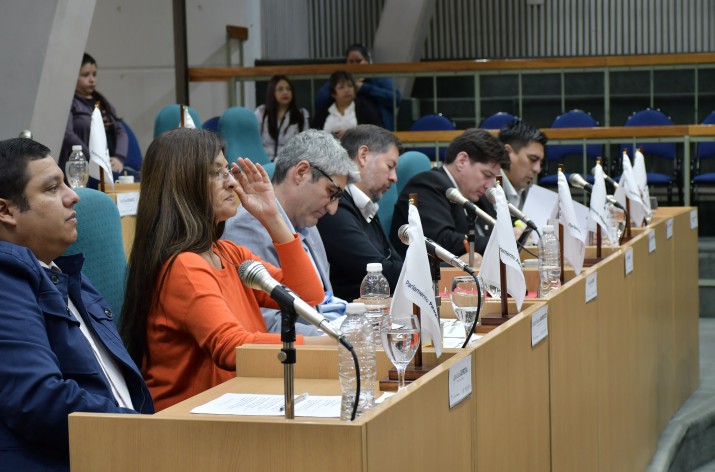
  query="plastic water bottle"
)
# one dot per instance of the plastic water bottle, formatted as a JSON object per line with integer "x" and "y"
{"x": 375, "y": 293}
{"x": 549, "y": 262}
{"x": 77, "y": 168}
{"x": 359, "y": 332}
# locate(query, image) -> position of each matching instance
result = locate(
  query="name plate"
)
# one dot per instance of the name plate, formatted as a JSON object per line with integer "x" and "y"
{"x": 591, "y": 286}
{"x": 539, "y": 325}
{"x": 629, "y": 260}
{"x": 651, "y": 241}
{"x": 127, "y": 203}
{"x": 693, "y": 219}
{"x": 460, "y": 381}
{"x": 669, "y": 228}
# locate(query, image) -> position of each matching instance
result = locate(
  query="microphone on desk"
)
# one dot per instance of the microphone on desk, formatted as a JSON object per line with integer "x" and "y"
{"x": 437, "y": 251}
{"x": 606, "y": 178}
{"x": 579, "y": 182}
{"x": 515, "y": 212}
{"x": 255, "y": 275}
{"x": 456, "y": 197}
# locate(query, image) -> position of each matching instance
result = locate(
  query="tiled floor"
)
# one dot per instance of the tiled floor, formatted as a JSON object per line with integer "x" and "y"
{"x": 700, "y": 404}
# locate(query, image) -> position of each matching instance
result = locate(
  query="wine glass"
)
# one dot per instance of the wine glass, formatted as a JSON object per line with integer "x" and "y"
{"x": 400, "y": 335}
{"x": 467, "y": 300}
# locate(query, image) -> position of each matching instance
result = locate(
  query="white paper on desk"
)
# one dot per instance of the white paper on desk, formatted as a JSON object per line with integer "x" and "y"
{"x": 127, "y": 203}
{"x": 453, "y": 334}
{"x": 251, "y": 404}
{"x": 539, "y": 203}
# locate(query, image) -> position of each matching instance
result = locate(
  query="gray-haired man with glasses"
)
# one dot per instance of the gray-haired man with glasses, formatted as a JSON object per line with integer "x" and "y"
{"x": 311, "y": 173}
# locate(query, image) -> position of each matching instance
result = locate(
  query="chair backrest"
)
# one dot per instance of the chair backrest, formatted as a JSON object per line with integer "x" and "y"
{"x": 707, "y": 150}
{"x": 169, "y": 118}
{"x": 387, "y": 208}
{"x": 270, "y": 167}
{"x": 573, "y": 119}
{"x": 409, "y": 164}
{"x": 211, "y": 123}
{"x": 651, "y": 117}
{"x": 238, "y": 127}
{"x": 134, "y": 153}
{"x": 498, "y": 120}
{"x": 434, "y": 122}
{"x": 99, "y": 238}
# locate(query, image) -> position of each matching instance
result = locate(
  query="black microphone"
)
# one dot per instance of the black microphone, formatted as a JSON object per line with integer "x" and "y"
{"x": 455, "y": 196}
{"x": 515, "y": 212}
{"x": 255, "y": 275}
{"x": 579, "y": 182}
{"x": 437, "y": 251}
{"x": 606, "y": 178}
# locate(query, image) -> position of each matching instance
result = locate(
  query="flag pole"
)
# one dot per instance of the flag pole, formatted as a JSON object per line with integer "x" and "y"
{"x": 598, "y": 227}
{"x": 182, "y": 108}
{"x": 415, "y": 308}
{"x": 561, "y": 238}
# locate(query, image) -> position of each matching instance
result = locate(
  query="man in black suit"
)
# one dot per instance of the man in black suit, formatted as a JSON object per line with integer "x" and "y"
{"x": 471, "y": 163}
{"x": 353, "y": 236}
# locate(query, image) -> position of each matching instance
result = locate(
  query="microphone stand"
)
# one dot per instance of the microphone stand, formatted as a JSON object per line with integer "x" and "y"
{"x": 287, "y": 356}
{"x": 471, "y": 236}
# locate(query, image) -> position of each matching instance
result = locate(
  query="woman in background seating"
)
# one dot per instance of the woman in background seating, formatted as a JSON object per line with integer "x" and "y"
{"x": 185, "y": 308}
{"x": 380, "y": 90}
{"x": 280, "y": 118}
{"x": 347, "y": 110}
{"x": 80, "y": 117}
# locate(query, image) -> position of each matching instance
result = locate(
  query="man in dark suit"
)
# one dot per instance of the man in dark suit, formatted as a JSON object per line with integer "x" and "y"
{"x": 471, "y": 163}
{"x": 353, "y": 236}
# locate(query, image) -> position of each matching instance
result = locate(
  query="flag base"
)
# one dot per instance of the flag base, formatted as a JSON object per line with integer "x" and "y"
{"x": 411, "y": 374}
{"x": 590, "y": 261}
{"x": 495, "y": 321}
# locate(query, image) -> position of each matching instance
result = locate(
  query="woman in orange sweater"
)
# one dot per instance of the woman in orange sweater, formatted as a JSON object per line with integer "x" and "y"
{"x": 185, "y": 308}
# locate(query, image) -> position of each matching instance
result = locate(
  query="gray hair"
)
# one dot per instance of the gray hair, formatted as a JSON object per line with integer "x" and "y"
{"x": 321, "y": 150}
{"x": 377, "y": 140}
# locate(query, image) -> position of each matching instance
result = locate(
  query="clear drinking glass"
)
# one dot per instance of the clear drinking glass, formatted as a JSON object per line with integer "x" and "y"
{"x": 467, "y": 300}
{"x": 400, "y": 338}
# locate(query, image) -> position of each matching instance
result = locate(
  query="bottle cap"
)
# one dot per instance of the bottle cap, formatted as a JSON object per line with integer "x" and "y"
{"x": 547, "y": 228}
{"x": 77, "y": 147}
{"x": 374, "y": 267}
{"x": 355, "y": 308}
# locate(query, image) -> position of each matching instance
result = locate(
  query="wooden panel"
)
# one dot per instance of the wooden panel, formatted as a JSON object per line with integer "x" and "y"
{"x": 129, "y": 223}
{"x": 512, "y": 398}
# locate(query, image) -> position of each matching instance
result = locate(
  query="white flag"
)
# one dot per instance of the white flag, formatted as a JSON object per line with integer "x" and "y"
{"x": 574, "y": 237}
{"x": 627, "y": 187}
{"x": 598, "y": 211}
{"x": 502, "y": 247}
{"x": 415, "y": 284}
{"x": 98, "y": 152}
{"x": 188, "y": 121}
{"x": 641, "y": 178}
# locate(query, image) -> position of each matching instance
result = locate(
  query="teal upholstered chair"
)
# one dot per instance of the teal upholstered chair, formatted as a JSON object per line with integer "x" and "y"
{"x": 386, "y": 208}
{"x": 409, "y": 164}
{"x": 238, "y": 127}
{"x": 169, "y": 118}
{"x": 270, "y": 168}
{"x": 99, "y": 238}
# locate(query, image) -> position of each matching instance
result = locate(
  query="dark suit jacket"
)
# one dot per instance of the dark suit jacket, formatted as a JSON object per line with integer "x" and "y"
{"x": 351, "y": 243}
{"x": 442, "y": 221}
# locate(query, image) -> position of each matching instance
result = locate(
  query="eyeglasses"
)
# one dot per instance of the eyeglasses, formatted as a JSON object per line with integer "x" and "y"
{"x": 223, "y": 173}
{"x": 337, "y": 194}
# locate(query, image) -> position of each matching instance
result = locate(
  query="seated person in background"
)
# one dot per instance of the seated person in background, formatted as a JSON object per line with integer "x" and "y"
{"x": 311, "y": 173}
{"x": 472, "y": 161}
{"x": 280, "y": 118}
{"x": 526, "y": 147}
{"x": 381, "y": 90}
{"x": 347, "y": 111}
{"x": 80, "y": 117}
{"x": 353, "y": 236}
{"x": 185, "y": 308}
{"x": 59, "y": 348}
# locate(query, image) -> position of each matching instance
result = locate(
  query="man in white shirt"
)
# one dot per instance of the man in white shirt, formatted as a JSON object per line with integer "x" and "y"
{"x": 526, "y": 147}
{"x": 353, "y": 236}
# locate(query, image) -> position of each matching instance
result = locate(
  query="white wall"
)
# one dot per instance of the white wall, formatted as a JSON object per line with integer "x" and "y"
{"x": 132, "y": 41}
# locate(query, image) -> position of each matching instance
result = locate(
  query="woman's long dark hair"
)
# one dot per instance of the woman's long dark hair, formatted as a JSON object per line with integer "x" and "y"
{"x": 175, "y": 215}
{"x": 270, "y": 116}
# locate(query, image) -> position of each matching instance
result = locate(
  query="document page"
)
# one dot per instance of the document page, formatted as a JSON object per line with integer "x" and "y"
{"x": 250, "y": 404}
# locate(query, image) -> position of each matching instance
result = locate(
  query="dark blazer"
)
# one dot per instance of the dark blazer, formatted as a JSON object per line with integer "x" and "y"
{"x": 48, "y": 369}
{"x": 351, "y": 243}
{"x": 442, "y": 221}
{"x": 366, "y": 113}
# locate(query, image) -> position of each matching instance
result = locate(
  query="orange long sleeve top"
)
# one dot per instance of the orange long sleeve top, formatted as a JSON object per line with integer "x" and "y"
{"x": 204, "y": 313}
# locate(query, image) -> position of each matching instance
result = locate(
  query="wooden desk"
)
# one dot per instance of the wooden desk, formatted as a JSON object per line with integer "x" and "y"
{"x": 129, "y": 223}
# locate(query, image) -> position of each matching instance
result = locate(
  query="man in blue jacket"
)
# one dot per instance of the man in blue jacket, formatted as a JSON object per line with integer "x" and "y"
{"x": 59, "y": 350}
